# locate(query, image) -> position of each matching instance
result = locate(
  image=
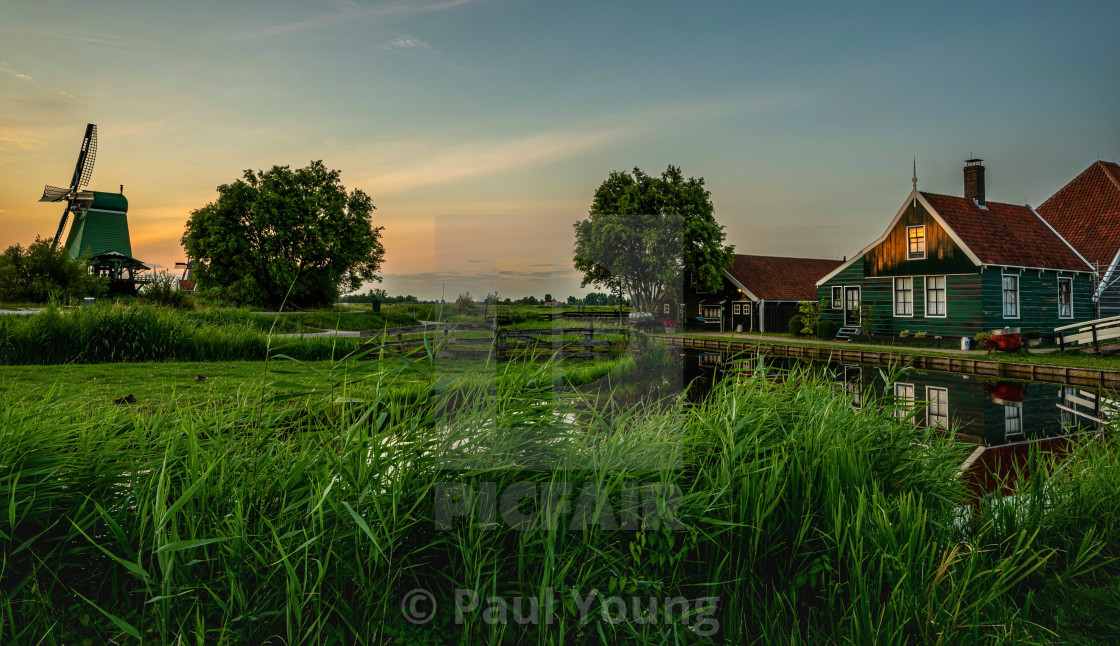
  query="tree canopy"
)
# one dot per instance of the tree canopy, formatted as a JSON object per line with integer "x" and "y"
{"x": 649, "y": 234}
{"x": 285, "y": 234}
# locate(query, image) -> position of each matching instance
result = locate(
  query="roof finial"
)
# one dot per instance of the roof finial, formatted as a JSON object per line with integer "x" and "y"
{"x": 914, "y": 180}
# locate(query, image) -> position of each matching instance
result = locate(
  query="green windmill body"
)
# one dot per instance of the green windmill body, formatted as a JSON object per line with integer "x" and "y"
{"x": 100, "y": 227}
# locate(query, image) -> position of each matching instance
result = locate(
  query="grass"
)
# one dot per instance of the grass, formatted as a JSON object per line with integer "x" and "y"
{"x": 116, "y": 332}
{"x": 269, "y": 519}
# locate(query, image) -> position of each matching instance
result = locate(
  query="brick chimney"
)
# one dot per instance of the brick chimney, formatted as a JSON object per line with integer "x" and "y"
{"x": 974, "y": 180}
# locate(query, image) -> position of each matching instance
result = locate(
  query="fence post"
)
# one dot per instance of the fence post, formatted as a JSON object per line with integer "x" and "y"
{"x": 1062, "y": 341}
{"x": 1095, "y": 346}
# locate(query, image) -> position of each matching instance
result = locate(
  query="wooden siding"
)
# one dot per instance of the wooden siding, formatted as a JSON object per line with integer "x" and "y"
{"x": 1038, "y": 299}
{"x": 1109, "y": 304}
{"x": 943, "y": 255}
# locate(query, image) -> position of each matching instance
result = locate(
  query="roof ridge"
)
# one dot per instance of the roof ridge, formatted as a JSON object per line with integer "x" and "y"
{"x": 759, "y": 255}
{"x": 971, "y": 201}
{"x": 1105, "y": 167}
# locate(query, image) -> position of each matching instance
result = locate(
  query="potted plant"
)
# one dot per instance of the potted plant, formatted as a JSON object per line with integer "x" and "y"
{"x": 984, "y": 341}
{"x": 1032, "y": 337}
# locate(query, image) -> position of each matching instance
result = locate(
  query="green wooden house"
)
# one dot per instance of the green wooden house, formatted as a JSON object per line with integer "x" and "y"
{"x": 955, "y": 266}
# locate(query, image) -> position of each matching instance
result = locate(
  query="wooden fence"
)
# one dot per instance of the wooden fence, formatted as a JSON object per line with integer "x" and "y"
{"x": 1095, "y": 332}
{"x": 460, "y": 341}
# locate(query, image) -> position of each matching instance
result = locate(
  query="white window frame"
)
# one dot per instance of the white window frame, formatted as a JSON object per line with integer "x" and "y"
{"x": 931, "y": 416}
{"x": 912, "y": 255}
{"x": 1003, "y": 296}
{"x": 665, "y": 308}
{"x": 837, "y": 297}
{"x": 944, "y": 292}
{"x": 894, "y": 296}
{"x": 905, "y": 396}
{"x": 1013, "y": 420}
{"x": 1068, "y": 281}
{"x": 859, "y": 312}
{"x": 736, "y": 309}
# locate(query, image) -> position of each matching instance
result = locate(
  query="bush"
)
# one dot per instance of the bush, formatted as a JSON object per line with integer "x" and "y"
{"x": 162, "y": 288}
{"x": 795, "y": 325}
{"x": 1031, "y": 335}
{"x": 827, "y": 329}
{"x": 38, "y": 273}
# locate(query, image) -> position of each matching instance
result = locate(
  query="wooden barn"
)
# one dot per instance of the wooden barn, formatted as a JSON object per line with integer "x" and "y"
{"x": 957, "y": 266}
{"x": 759, "y": 294}
{"x": 1087, "y": 214}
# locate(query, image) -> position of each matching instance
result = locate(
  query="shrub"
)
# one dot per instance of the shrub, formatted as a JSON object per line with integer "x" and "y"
{"x": 920, "y": 335}
{"x": 904, "y": 333}
{"x": 826, "y": 329}
{"x": 795, "y": 325}
{"x": 162, "y": 288}
{"x": 38, "y": 273}
{"x": 1031, "y": 335}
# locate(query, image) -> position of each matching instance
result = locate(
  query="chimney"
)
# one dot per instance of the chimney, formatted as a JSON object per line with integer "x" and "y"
{"x": 974, "y": 180}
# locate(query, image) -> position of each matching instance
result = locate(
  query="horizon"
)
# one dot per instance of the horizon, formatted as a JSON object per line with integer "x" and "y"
{"x": 481, "y": 128}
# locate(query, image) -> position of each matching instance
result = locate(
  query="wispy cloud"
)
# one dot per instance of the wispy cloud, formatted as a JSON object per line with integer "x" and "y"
{"x": 14, "y": 74}
{"x": 348, "y": 11}
{"x": 22, "y": 139}
{"x": 406, "y": 42}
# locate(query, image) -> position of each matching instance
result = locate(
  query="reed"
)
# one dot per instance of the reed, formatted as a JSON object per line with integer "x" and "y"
{"x": 267, "y": 522}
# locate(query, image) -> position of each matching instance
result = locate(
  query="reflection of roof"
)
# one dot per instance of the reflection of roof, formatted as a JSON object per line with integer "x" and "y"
{"x": 1005, "y": 234}
{"x": 713, "y": 302}
{"x": 1087, "y": 212}
{"x": 780, "y": 279}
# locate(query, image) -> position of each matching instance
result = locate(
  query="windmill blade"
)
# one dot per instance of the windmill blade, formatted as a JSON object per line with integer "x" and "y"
{"x": 54, "y": 194}
{"x": 86, "y": 156}
{"x": 61, "y": 225}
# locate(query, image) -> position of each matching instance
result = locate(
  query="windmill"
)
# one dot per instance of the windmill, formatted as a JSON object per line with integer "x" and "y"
{"x": 100, "y": 226}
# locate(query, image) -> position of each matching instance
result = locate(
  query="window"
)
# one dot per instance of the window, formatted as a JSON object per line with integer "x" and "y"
{"x": 935, "y": 296}
{"x": 917, "y": 242}
{"x": 853, "y": 378}
{"x": 1011, "y": 297}
{"x": 937, "y": 410}
{"x": 1013, "y": 421}
{"x": 665, "y": 308}
{"x": 903, "y": 399}
{"x": 904, "y": 296}
{"x": 837, "y": 298}
{"x": 736, "y": 308}
{"x": 1065, "y": 298}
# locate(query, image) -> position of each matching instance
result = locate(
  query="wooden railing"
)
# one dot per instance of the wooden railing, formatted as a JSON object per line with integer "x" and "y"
{"x": 1094, "y": 332}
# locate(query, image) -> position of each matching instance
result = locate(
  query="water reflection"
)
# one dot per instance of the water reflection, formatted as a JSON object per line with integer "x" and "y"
{"x": 985, "y": 411}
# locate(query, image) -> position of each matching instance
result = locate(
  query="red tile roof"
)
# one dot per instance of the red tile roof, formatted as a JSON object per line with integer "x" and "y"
{"x": 1087, "y": 212}
{"x": 1005, "y": 234}
{"x": 781, "y": 279}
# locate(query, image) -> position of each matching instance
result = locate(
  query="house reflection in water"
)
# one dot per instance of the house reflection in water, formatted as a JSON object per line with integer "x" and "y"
{"x": 1005, "y": 419}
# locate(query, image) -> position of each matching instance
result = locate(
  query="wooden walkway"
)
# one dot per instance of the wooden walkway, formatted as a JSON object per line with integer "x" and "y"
{"x": 1085, "y": 377}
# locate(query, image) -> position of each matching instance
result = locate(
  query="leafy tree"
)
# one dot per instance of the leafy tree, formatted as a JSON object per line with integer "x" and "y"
{"x": 36, "y": 273}
{"x": 547, "y": 298}
{"x": 648, "y": 234}
{"x": 572, "y": 300}
{"x": 282, "y": 229}
{"x": 465, "y": 304}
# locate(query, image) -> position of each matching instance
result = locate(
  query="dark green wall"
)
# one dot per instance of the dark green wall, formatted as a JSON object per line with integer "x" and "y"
{"x": 1038, "y": 300}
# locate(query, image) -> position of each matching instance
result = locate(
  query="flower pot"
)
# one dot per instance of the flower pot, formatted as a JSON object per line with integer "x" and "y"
{"x": 1008, "y": 342}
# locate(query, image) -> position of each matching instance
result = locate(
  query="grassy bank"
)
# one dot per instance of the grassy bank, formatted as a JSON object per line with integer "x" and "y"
{"x": 774, "y": 509}
{"x": 114, "y": 332}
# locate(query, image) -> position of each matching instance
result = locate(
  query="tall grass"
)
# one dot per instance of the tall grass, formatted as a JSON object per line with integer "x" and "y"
{"x": 262, "y": 522}
{"x": 112, "y": 332}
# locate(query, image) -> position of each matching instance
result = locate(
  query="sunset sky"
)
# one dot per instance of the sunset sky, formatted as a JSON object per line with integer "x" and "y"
{"x": 481, "y": 127}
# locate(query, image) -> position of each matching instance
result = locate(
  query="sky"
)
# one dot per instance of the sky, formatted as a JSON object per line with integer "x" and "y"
{"x": 481, "y": 128}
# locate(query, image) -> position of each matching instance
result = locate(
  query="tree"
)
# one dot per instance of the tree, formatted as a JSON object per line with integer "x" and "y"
{"x": 38, "y": 272}
{"x": 547, "y": 298}
{"x": 283, "y": 233}
{"x": 572, "y": 300}
{"x": 648, "y": 234}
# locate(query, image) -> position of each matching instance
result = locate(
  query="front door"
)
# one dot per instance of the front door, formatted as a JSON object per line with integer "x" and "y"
{"x": 851, "y": 306}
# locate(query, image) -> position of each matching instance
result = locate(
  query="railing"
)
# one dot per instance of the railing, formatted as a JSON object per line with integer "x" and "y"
{"x": 1089, "y": 332}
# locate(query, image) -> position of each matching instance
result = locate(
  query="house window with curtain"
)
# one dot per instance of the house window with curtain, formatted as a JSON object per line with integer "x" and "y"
{"x": 1065, "y": 298}
{"x": 935, "y": 296}
{"x": 916, "y": 237}
{"x": 903, "y": 296}
{"x": 838, "y": 298}
{"x": 1013, "y": 421}
{"x": 1011, "y": 297}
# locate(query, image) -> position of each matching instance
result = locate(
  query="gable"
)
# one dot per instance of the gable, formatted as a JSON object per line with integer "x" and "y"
{"x": 890, "y": 256}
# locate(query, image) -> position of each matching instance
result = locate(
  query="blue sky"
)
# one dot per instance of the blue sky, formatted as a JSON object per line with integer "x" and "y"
{"x": 482, "y": 127}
